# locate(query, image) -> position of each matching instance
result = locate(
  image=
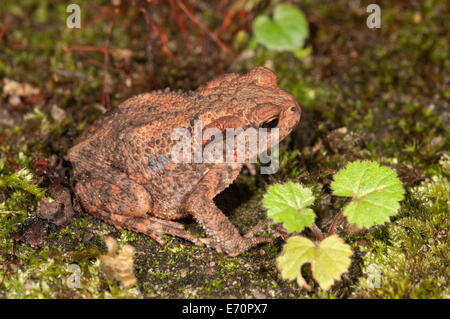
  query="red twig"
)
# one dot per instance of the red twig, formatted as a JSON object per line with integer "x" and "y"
{"x": 3, "y": 28}
{"x": 65, "y": 48}
{"x": 180, "y": 21}
{"x": 205, "y": 29}
{"x": 223, "y": 3}
{"x": 230, "y": 15}
{"x": 105, "y": 96}
{"x": 100, "y": 13}
{"x": 14, "y": 167}
{"x": 242, "y": 13}
{"x": 200, "y": 37}
{"x": 85, "y": 48}
{"x": 162, "y": 35}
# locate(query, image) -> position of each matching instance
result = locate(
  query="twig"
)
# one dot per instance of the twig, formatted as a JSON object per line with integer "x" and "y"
{"x": 162, "y": 35}
{"x": 336, "y": 220}
{"x": 149, "y": 47}
{"x": 317, "y": 232}
{"x": 3, "y": 28}
{"x": 105, "y": 96}
{"x": 230, "y": 15}
{"x": 9, "y": 155}
{"x": 205, "y": 29}
{"x": 10, "y": 211}
{"x": 200, "y": 37}
{"x": 179, "y": 19}
{"x": 65, "y": 48}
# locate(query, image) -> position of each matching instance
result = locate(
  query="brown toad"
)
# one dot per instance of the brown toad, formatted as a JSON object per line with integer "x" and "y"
{"x": 123, "y": 167}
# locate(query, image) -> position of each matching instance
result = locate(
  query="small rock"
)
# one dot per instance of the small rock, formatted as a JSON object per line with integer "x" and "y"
{"x": 59, "y": 211}
{"x": 57, "y": 113}
{"x": 33, "y": 231}
{"x": 183, "y": 272}
{"x": 258, "y": 295}
{"x": 13, "y": 88}
{"x": 87, "y": 237}
{"x": 269, "y": 64}
{"x": 14, "y": 101}
{"x": 119, "y": 265}
{"x": 417, "y": 17}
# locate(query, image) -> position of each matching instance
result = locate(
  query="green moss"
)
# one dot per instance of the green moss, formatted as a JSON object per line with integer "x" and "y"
{"x": 411, "y": 256}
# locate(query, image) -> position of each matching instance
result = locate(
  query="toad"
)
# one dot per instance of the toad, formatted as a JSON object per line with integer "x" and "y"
{"x": 123, "y": 163}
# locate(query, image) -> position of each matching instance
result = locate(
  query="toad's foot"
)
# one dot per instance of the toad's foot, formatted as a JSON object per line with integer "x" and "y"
{"x": 151, "y": 226}
{"x": 244, "y": 244}
{"x": 223, "y": 235}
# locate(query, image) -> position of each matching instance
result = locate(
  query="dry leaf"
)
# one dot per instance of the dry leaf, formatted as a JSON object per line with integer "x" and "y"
{"x": 119, "y": 265}
{"x": 13, "y": 88}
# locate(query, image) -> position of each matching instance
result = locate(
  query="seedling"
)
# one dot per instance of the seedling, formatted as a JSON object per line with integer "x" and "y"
{"x": 286, "y": 31}
{"x": 376, "y": 192}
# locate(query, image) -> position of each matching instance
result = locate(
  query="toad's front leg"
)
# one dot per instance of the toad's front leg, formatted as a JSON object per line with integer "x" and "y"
{"x": 224, "y": 235}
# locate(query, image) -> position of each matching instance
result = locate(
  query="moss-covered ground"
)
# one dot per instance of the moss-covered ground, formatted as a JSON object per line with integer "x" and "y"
{"x": 379, "y": 95}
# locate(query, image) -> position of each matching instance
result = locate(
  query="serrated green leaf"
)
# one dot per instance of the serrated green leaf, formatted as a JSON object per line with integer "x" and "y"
{"x": 329, "y": 260}
{"x": 287, "y": 31}
{"x": 286, "y": 204}
{"x": 376, "y": 192}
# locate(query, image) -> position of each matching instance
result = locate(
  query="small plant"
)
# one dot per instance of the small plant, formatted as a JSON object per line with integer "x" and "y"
{"x": 375, "y": 191}
{"x": 287, "y": 31}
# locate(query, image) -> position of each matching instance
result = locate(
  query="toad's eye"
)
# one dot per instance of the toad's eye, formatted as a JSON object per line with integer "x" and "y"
{"x": 271, "y": 122}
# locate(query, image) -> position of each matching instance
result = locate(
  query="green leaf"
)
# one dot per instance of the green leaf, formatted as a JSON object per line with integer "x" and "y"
{"x": 286, "y": 32}
{"x": 329, "y": 260}
{"x": 303, "y": 53}
{"x": 376, "y": 192}
{"x": 286, "y": 204}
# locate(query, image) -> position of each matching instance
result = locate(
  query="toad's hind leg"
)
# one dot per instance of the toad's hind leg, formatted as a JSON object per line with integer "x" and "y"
{"x": 127, "y": 206}
{"x": 151, "y": 226}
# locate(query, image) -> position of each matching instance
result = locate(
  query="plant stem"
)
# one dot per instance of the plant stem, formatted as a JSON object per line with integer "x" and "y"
{"x": 105, "y": 95}
{"x": 336, "y": 220}
{"x": 213, "y": 37}
{"x": 10, "y": 211}
{"x": 14, "y": 164}
{"x": 317, "y": 232}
